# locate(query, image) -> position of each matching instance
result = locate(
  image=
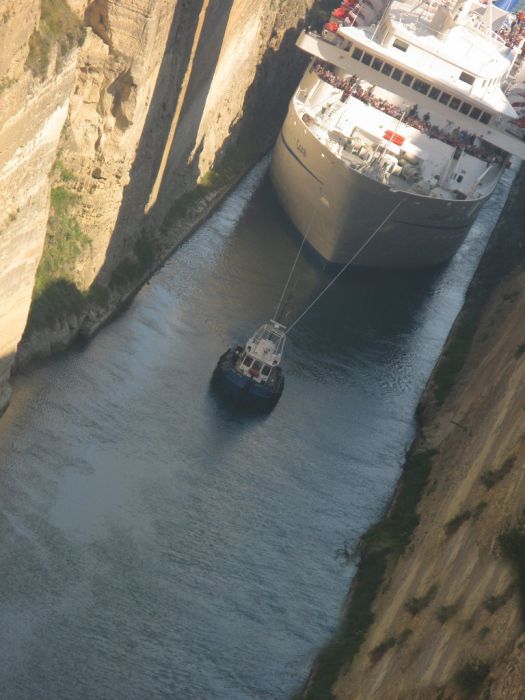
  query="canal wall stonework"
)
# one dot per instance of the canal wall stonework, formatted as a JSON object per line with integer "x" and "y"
{"x": 159, "y": 101}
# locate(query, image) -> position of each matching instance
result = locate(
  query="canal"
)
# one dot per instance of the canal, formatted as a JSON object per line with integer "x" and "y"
{"x": 154, "y": 543}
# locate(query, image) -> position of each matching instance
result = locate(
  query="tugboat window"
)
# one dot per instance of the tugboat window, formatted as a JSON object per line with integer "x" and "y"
{"x": 247, "y": 361}
{"x": 257, "y": 365}
{"x": 397, "y": 74}
{"x": 454, "y": 103}
{"x": 485, "y": 118}
{"x": 407, "y": 79}
{"x": 445, "y": 98}
{"x": 434, "y": 93}
{"x": 387, "y": 68}
{"x": 266, "y": 370}
{"x": 475, "y": 114}
{"x": 377, "y": 63}
{"x": 465, "y": 108}
{"x": 357, "y": 53}
{"x": 367, "y": 59}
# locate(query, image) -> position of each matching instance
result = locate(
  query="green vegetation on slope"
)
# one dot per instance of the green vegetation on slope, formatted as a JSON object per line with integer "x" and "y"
{"x": 55, "y": 292}
{"x": 59, "y": 27}
{"x": 233, "y": 164}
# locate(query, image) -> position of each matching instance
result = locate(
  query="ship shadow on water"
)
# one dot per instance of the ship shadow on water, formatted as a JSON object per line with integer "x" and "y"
{"x": 359, "y": 295}
{"x": 362, "y": 312}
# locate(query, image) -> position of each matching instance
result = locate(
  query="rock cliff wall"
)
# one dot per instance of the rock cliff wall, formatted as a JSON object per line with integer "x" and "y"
{"x": 164, "y": 101}
{"x": 33, "y": 110}
{"x": 449, "y": 618}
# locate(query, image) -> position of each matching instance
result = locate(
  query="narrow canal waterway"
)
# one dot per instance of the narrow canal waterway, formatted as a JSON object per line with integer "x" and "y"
{"x": 153, "y": 544}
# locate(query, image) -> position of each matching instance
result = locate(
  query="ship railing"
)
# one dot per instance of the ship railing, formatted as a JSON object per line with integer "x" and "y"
{"x": 415, "y": 21}
{"x": 301, "y": 95}
{"x": 458, "y": 138}
{"x": 514, "y": 129}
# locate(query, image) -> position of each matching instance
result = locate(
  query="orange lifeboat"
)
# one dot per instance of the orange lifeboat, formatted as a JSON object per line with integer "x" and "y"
{"x": 393, "y": 137}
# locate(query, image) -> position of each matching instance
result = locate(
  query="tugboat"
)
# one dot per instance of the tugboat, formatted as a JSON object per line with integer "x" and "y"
{"x": 251, "y": 375}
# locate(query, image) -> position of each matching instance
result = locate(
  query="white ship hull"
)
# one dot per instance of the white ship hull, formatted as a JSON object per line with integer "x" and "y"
{"x": 337, "y": 208}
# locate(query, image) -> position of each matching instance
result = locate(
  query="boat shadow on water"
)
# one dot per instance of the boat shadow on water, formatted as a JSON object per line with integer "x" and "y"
{"x": 236, "y": 409}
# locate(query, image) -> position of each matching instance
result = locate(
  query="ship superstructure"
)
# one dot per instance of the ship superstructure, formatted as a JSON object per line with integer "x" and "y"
{"x": 407, "y": 105}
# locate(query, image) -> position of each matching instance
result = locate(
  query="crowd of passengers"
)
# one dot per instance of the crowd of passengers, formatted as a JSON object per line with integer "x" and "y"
{"x": 458, "y": 138}
{"x": 513, "y": 31}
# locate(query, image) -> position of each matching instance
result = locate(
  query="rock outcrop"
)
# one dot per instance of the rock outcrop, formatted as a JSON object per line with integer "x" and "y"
{"x": 162, "y": 98}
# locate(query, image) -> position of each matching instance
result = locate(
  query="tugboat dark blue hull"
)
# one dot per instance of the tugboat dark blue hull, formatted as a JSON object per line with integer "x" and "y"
{"x": 245, "y": 391}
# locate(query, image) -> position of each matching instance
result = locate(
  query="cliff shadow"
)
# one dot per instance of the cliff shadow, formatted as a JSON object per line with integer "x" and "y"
{"x": 264, "y": 108}
{"x": 160, "y": 146}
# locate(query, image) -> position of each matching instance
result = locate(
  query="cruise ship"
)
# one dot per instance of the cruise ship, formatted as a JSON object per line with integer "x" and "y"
{"x": 401, "y": 127}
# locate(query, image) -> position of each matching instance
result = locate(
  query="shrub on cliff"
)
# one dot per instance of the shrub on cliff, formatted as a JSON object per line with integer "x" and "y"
{"x": 58, "y": 26}
{"x": 471, "y": 676}
{"x": 512, "y": 548}
{"x": 55, "y": 292}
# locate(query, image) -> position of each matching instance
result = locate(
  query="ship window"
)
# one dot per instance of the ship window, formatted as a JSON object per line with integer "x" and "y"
{"x": 454, "y": 103}
{"x": 407, "y": 79}
{"x": 421, "y": 86}
{"x": 459, "y": 178}
{"x": 387, "y": 68}
{"x": 485, "y": 118}
{"x": 401, "y": 45}
{"x": 266, "y": 370}
{"x": 367, "y": 59}
{"x": 475, "y": 113}
{"x": 434, "y": 93}
{"x": 357, "y": 53}
{"x": 445, "y": 98}
{"x": 247, "y": 361}
{"x": 465, "y": 108}
{"x": 257, "y": 365}
{"x": 397, "y": 74}
{"x": 377, "y": 63}
{"x": 467, "y": 78}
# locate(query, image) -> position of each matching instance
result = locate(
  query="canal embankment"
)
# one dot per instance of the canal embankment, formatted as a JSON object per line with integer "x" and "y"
{"x": 436, "y": 607}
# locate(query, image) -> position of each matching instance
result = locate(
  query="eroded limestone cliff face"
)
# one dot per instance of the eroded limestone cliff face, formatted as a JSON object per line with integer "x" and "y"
{"x": 33, "y": 110}
{"x": 449, "y": 618}
{"x": 165, "y": 102}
